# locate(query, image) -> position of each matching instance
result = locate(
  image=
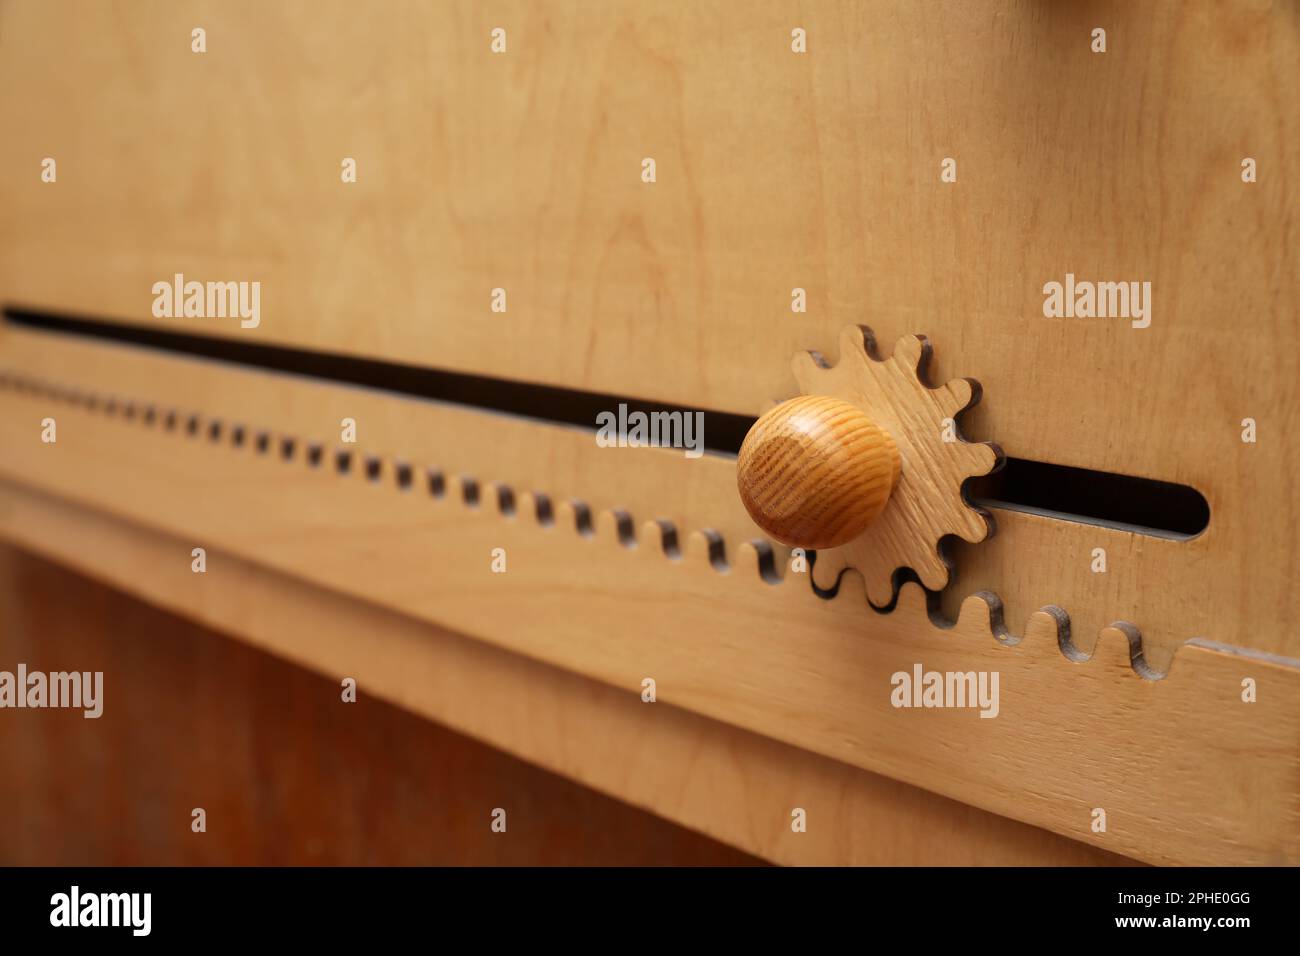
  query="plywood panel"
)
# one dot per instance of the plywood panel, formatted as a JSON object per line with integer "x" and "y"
{"x": 735, "y": 786}
{"x": 722, "y": 642}
{"x": 1223, "y": 586}
{"x": 775, "y": 170}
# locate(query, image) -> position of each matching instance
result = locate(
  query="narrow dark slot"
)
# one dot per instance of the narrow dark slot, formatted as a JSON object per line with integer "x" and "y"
{"x": 403, "y": 474}
{"x": 668, "y": 538}
{"x": 626, "y": 531}
{"x": 723, "y": 432}
{"x": 469, "y": 491}
{"x": 582, "y": 518}
{"x": 1142, "y": 505}
{"x": 1158, "y": 508}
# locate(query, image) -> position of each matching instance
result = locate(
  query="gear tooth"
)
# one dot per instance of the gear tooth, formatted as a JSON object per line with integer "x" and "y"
{"x": 964, "y": 394}
{"x": 968, "y": 525}
{"x": 867, "y": 339}
{"x": 1132, "y": 636}
{"x": 912, "y": 352}
{"x": 525, "y": 503}
{"x": 696, "y": 549}
{"x": 979, "y": 611}
{"x": 911, "y": 598}
{"x": 934, "y": 572}
{"x": 1115, "y": 645}
{"x": 976, "y": 524}
{"x": 706, "y": 548}
{"x": 616, "y": 526}
{"x": 879, "y": 588}
{"x": 983, "y": 526}
{"x": 959, "y": 396}
{"x": 999, "y": 456}
{"x": 853, "y": 585}
{"x": 758, "y": 559}
{"x": 855, "y": 341}
{"x": 1048, "y": 625}
{"x": 569, "y": 515}
{"x": 746, "y": 556}
{"x": 974, "y": 459}
{"x": 826, "y": 570}
{"x": 808, "y": 367}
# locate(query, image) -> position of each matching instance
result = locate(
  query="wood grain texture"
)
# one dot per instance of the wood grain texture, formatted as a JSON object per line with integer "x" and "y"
{"x": 289, "y": 775}
{"x": 724, "y": 643}
{"x": 815, "y": 471}
{"x": 928, "y": 504}
{"x": 1032, "y": 562}
{"x": 732, "y": 785}
{"x": 776, "y": 171}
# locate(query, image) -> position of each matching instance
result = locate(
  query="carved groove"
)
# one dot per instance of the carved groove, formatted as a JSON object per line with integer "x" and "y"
{"x": 762, "y": 561}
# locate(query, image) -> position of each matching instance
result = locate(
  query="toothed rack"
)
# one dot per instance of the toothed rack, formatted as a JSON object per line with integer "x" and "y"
{"x": 621, "y": 593}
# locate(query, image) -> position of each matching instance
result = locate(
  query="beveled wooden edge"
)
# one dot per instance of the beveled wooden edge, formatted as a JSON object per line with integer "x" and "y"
{"x": 1185, "y": 770}
{"x": 732, "y": 785}
{"x": 651, "y": 482}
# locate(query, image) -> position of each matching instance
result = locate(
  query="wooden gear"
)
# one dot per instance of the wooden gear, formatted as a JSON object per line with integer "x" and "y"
{"x": 809, "y": 471}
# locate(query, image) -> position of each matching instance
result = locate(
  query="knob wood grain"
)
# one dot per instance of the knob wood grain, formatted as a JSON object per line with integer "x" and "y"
{"x": 815, "y": 471}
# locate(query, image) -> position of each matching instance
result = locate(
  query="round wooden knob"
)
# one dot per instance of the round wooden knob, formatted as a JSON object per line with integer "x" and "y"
{"x": 815, "y": 471}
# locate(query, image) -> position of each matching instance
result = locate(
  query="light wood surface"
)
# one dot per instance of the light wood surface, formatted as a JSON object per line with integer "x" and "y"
{"x": 776, "y": 171}
{"x": 928, "y": 504}
{"x": 1186, "y": 771}
{"x": 816, "y": 471}
{"x": 1032, "y": 562}
{"x": 732, "y": 785}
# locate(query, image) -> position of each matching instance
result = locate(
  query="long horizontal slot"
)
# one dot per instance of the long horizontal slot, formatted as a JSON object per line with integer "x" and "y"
{"x": 1125, "y": 502}
{"x": 722, "y": 432}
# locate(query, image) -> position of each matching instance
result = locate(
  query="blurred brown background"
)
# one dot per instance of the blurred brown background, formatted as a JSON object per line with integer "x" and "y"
{"x": 287, "y": 773}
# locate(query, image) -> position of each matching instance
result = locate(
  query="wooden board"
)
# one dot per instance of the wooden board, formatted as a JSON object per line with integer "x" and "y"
{"x": 1215, "y": 587}
{"x": 1185, "y": 770}
{"x": 733, "y": 785}
{"x": 776, "y": 170}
